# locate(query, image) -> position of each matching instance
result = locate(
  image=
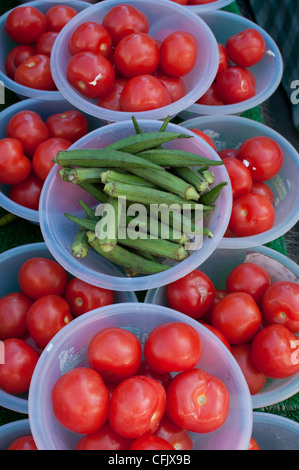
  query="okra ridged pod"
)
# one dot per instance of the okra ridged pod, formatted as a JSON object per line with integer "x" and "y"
{"x": 80, "y": 246}
{"x": 157, "y": 247}
{"x": 85, "y": 175}
{"x": 138, "y": 142}
{"x": 191, "y": 175}
{"x": 175, "y": 157}
{"x": 112, "y": 175}
{"x": 211, "y": 196}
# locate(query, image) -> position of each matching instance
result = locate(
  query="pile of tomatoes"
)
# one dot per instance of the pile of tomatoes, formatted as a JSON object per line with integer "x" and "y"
{"x": 26, "y": 154}
{"x": 35, "y": 32}
{"x": 234, "y": 81}
{"x": 257, "y": 319}
{"x": 47, "y": 301}
{"x": 121, "y": 401}
{"x": 123, "y": 67}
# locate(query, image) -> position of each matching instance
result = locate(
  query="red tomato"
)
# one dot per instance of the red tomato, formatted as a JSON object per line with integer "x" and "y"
{"x": 83, "y": 297}
{"x": 40, "y": 276}
{"x": 197, "y": 401}
{"x": 263, "y": 157}
{"x": 35, "y": 72}
{"x": 233, "y": 85}
{"x": 80, "y": 400}
{"x": 143, "y": 93}
{"x": 112, "y": 99}
{"x": 123, "y": 20}
{"x": 172, "y": 347}
{"x": 42, "y": 161}
{"x": 181, "y": 2}
{"x": 104, "y": 439}
{"x": 225, "y": 153}
{"x": 136, "y": 54}
{"x": 151, "y": 442}
{"x": 13, "y": 311}
{"x": 253, "y": 445}
{"x": 255, "y": 379}
{"x": 192, "y": 295}
{"x": 45, "y": 43}
{"x": 70, "y": 125}
{"x": 246, "y": 48}
{"x": 91, "y": 74}
{"x": 281, "y": 305}
{"x": 250, "y": 278}
{"x": 217, "y": 333}
{"x": 275, "y": 352}
{"x": 14, "y": 166}
{"x": 47, "y": 315}
{"x": 263, "y": 189}
{"x": 175, "y": 86}
{"x": 204, "y": 136}
{"x": 224, "y": 62}
{"x": 251, "y": 214}
{"x": 91, "y": 36}
{"x": 27, "y": 193}
{"x": 200, "y": 2}
{"x": 27, "y": 127}
{"x": 210, "y": 97}
{"x": 178, "y": 437}
{"x": 20, "y": 362}
{"x": 16, "y": 56}
{"x": 178, "y": 53}
{"x": 23, "y": 443}
{"x": 237, "y": 316}
{"x": 137, "y": 406}
{"x": 240, "y": 177}
{"x": 25, "y": 24}
{"x": 115, "y": 353}
{"x": 58, "y": 16}
{"x": 163, "y": 379}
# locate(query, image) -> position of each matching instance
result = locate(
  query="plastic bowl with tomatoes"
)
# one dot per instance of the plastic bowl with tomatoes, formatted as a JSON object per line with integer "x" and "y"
{"x": 139, "y": 68}
{"x": 16, "y": 434}
{"x": 199, "y": 6}
{"x": 274, "y": 432}
{"x": 86, "y": 336}
{"x": 274, "y": 174}
{"x": 241, "y": 296}
{"x": 27, "y": 38}
{"x": 26, "y": 268}
{"x": 259, "y": 69}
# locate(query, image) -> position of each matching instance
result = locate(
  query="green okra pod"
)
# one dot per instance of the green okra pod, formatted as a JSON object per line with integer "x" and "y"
{"x": 85, "y": 175}
{"x": 211, "y": 196}
{"x": 176, "y": 157}
{"x": 80, "y": 246}
{"x": 147, "y": 140}
{"x": 136, "y": 125}
{"x": 90, "y": 213}
{"x": 112, "y": 175}
{"x": 7, "y": 219}
{"x": 191, "y": 176}
{"x": 157, "y": 247}
{"x": 107, "y": 228}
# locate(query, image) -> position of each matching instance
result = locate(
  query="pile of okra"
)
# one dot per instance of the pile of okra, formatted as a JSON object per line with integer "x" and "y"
{"x": 139, "y": 170}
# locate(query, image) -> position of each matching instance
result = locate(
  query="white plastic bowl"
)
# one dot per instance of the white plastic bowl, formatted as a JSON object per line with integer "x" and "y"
{"x": 217, "y": 267}
{"x": 216, "y": 5}
{"x": 274, "y": 432}
{"x": 10, "y": 263}
{"x": 7, "y": 44}
{"x": 268, "y": 72}
{"x": 164, "y": 18}
{"x": 230, "y": 132}
{"x": 11, "y": 431}
{"x": 58, "y": 197}
{"x": 44, "y": 109}
{"x": 139, "y": 318}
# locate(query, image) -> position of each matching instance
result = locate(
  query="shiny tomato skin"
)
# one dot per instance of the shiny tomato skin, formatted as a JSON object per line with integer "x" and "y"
{"x": 25, "y": 24}
{"x": 175, "y": 86}
{"x": 233, "y": 85}
{"x": 240, "y": 177}
{"x": 83, "y": 297}
{"x": 275, "y": 352}
{"x": 14, "y": 166}
{"x": 253, "y": 445}
{"x": 16, "y": 56}
{"x": 246, "y": 48}
{"x": 35, "y": 72}
{"x": 192, "y": 295}
{"x": 204, "y": 136}
{"x": 91, "y": 36}
{"x": 42, "y": 161}
{"x": 13, "y": 312}
{"x": 251, "y": 214}
{"x": 172, "y": 347}
{"x": 70, "y": 125}
{"x": 210, "y": 97}
{"x": 27, "y": 193}
{"x": 163, "y": 379}
{"x": 104, "y": 438}
{"x": 19, "y": 365}
{"x": 237, "y": 316}
{"x": 178, "y": 53}
{"x": 263, "y": 189}
{"x": 225, "y": 153}
{"x": 45, "y": 43}
{"x": 58, "y": 16}
{"x": 217, "y": 333}
{"x": 137, "y": 406}
{"x": 224, "y": 61}
{"x": 143, "y": 93}
{"x": 80, "y": 400}
{"x": 112, "y": 99}
{"x": 250, "y": 278}
{"x": 28, "y": 127}
{"x": 151, "y": 442}
{"x": 122, "y": 20}
{"x": 40, "y": 276}
{"x": 197, "y": 401}
{"x": 254, "y": 378}
{"x": 115, "y": 353}
{"x": 23, "y": 443}
{"x": 178, "y": 437}
{"x": 280, "y": 305}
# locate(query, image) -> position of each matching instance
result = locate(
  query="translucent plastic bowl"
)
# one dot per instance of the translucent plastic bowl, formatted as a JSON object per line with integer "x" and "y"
{"x": 216, "y": 5}
{"x": 217, "y": 267}
{"x": 45, "y": 109}
{"x": 11, "y": 431}
{"x": 274, "y": 432}
{"x": 268, "y": 72}
{"x": 10, "y": 263}
{"x": 164, "y": 17}
{"x": 7, "y": 44}
{"x": 141, "y": 319}
{"x": 58, "y": 197}
{"x": 230, "y": 132}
